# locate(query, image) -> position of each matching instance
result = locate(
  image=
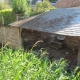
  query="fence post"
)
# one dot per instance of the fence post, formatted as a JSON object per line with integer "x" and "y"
{"x": 17, "y": 18}
{"x": 3, "y": 20}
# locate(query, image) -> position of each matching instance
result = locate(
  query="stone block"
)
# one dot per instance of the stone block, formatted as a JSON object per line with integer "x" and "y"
{"x": 56, "y": 45}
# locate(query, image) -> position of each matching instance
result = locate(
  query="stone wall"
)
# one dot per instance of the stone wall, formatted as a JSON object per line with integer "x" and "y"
{"x": 11, "y": 35}
{"x": 72, "y": 41}
{"x": 67, "y": 3}
{"x": 30, "y": 37}
{"x": 74, "y": 44}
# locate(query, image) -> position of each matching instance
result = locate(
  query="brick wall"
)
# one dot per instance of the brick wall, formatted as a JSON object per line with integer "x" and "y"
{"x": 67, "y": 3}
{"x": 10, "y": 34}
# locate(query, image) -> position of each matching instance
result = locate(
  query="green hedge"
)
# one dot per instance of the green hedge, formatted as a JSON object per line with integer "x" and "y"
{"x": 8, "y": 15}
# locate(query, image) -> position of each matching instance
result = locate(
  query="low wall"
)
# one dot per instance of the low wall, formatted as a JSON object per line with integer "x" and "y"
{"x": 67, "y": 3}
{"x": 11, "y": 35}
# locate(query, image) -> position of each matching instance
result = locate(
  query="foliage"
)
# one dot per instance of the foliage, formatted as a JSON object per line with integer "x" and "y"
{"x": 4, "y": 5}
{"x": 28, "y": 12}
{"x": 8, "y": 15}
{"x": 43, "y": 7}
{"x": 19, "y": 6}
{"x": 24, "y": 65}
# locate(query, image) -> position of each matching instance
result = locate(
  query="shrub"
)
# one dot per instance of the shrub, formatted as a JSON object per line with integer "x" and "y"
{"x": 21, "y": 65}
{"x": 43, "y": 7}
{"x": 8, "y": 15}
{"x": 19, "y": 6}
{"x": 4, "y": 5}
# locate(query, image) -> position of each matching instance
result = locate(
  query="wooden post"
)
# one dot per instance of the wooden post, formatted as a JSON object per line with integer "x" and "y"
{"x": 78, "y": 58}
{"x": 2, "y": 20}
{"x": 17, "y": 18}
{"x": 20, "y": 39}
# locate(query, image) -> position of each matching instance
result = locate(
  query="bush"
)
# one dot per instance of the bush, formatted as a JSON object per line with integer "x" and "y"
{"x": 43, "y": 7}
{"x": 19, "y": 6}
{"x": 8, "y": 15}
{"x": 21, "y": 65}
{"x": 4, "y": 5}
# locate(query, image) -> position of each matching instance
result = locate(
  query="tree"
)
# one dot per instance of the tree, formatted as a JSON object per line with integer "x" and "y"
{"x": 19, "y": 6}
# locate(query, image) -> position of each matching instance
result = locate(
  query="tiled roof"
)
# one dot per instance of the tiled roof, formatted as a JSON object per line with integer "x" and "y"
{"x": 64, "y": 21}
